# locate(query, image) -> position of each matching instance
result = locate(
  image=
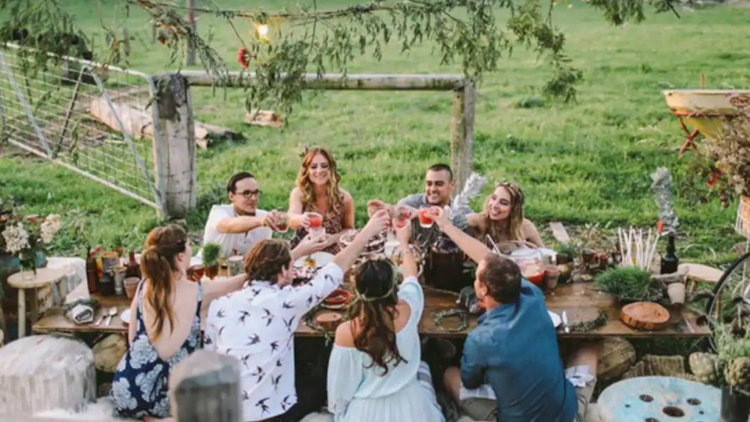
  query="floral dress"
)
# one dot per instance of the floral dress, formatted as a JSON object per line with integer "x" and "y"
{"x": 140, "y": 385}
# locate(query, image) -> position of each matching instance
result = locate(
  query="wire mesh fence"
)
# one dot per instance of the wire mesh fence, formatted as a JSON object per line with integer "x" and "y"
{"x": 74, "y": 113}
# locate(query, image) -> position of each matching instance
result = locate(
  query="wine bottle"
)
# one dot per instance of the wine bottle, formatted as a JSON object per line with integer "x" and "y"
{"x": 133, "y": 269}
{"x": 92, "y": 275}
{"x": 670, "y": 261}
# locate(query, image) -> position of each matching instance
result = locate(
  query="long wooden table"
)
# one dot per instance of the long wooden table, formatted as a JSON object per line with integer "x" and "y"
{"x": 579, "y": 301}
{"x": 55, "y": 321}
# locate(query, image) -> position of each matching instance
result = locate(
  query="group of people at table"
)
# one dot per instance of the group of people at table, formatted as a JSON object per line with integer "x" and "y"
{"x": 511, "y": 369}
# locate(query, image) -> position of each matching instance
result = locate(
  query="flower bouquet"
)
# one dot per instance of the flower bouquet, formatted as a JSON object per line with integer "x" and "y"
{"x": 25, "y": 236}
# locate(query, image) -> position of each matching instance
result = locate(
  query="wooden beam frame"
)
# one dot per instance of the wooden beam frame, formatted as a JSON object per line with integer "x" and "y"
{"x": 462, "y": 116}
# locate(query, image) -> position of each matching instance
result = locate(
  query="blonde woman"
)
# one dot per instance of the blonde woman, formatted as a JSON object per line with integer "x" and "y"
{"x": 318, "y": 192}
{"x": 502, "y": 217}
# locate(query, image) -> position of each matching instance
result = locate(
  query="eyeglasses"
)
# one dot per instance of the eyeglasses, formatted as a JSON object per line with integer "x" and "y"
{"x": 250, "y": 193}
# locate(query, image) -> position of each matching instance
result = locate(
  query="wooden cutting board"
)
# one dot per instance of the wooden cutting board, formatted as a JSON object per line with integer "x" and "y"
{"x": 329, "y": 320}
{"x": 644, "y": 316}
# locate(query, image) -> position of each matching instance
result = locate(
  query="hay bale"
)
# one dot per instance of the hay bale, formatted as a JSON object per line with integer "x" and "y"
{"x": 651, "y": 365}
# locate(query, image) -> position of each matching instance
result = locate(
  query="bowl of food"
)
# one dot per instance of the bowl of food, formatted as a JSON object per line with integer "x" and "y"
{"x": 339, "y": 297}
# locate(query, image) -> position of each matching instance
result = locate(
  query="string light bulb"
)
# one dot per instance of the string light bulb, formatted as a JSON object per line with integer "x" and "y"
{"x": 262, "y": 30}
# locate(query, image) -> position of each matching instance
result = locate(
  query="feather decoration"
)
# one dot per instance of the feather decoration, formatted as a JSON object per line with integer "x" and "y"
{"x": 662, "y": 187}
{"x": 462, "y": 202}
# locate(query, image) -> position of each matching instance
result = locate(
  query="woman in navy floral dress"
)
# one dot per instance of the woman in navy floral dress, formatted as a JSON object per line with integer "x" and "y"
{"x": 164, "y": 324}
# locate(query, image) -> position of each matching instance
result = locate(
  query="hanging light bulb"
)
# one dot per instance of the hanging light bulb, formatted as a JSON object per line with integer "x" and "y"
{"x": 262, "y": 30}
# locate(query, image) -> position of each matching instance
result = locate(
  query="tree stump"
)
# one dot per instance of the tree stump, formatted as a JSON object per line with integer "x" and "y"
{"x": 645, "y": 315}
{"x": 616, "y": 356}
{"x": 109, "y": 352}
{"x": 659, "y": 399}
{"x": 40, "y": 373}
{"x": 206, "y": 387}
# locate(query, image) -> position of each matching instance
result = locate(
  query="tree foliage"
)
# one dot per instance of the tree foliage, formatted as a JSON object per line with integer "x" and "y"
{"x": 477, "y": 34}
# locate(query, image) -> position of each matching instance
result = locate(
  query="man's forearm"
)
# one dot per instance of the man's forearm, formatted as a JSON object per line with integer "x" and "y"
{"x": 473, "y": 248}
{"x": 240, "y": 224}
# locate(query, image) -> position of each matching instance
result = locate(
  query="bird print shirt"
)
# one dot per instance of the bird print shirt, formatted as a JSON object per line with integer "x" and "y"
{"x": 256, "y": 325}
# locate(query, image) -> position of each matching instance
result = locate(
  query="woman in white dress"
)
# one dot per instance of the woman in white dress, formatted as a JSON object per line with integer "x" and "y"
{"x": 372, "y": 373}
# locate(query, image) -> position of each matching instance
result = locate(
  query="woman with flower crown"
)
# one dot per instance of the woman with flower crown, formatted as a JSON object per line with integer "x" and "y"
{"x": 375, "y": 371}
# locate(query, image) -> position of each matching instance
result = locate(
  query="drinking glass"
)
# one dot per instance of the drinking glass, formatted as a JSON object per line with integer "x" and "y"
{"x": 425, "y": 217}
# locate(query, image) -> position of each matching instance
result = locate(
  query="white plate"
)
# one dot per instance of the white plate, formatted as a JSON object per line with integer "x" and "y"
{"x": 321, "y": 260}
{"x": 125, "y": 316}
{"x": 556, "y": 320}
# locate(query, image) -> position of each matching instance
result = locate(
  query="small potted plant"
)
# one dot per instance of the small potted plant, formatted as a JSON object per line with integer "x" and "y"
{"x": 211, "y": 253}
{"x": 566, "y": 253}
{"x": 728, "y": 369}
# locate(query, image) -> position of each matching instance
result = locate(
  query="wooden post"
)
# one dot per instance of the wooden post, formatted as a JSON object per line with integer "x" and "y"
{"x": 174, "y": 146}
{"x": 206, "y": 387}
{"x": 462, "y": 133}
{"x": 190, "y": 50}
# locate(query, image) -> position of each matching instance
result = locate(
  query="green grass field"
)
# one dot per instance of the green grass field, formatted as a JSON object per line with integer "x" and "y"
{"x": 583, "y": 163}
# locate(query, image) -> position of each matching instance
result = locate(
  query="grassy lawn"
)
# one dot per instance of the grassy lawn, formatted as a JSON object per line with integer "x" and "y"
{"x": 583, "y": 163}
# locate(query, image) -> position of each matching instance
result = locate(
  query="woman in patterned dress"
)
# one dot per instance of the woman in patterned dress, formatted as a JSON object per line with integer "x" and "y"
{"x": 164, "y": 324}
{"x": 318, "y": 191}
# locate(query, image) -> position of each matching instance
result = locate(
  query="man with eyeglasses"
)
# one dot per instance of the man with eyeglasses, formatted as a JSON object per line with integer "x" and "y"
{"x": 239, "y": 225}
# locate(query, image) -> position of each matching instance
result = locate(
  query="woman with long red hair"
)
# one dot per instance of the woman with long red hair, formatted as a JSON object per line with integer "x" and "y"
{"x": 318, "y": 192}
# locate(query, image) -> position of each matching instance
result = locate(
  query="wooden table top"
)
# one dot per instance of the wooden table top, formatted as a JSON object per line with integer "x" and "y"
{"x": 55, "y": 321}
{"x": 581, "y": 302}
{"x": 43, "y": 277}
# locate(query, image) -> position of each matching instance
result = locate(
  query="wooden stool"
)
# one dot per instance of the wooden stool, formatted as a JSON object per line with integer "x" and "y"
{"x": 698, "y": 273}
{"x": 40, "y": 373}
{"x": 43, "y": 277}
{"x": 659, "y": 399}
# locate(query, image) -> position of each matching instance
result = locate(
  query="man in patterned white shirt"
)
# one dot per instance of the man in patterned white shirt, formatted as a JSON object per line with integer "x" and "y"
{"x": 256, "y": 324}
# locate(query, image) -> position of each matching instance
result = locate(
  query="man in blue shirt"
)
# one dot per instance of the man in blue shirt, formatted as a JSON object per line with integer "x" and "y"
{"x": 511, "y": 368}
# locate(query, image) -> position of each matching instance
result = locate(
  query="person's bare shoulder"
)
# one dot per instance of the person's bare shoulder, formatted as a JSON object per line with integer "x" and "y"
{"x": 344, "y": 335}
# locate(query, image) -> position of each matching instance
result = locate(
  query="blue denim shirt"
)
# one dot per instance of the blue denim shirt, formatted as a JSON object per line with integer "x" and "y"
{"x": 514, "y": 348}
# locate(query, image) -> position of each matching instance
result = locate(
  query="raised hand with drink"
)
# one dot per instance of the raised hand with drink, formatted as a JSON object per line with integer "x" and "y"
{"x": 313, "y": 222}
{"x": 282, "y": 225}
{"x": 402, "y": 217}
{"x": 427, "y": 215}
{"x": 271, "y": 219}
